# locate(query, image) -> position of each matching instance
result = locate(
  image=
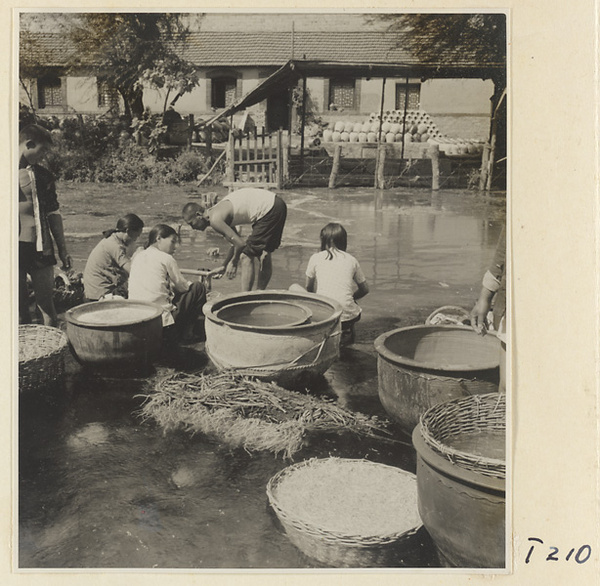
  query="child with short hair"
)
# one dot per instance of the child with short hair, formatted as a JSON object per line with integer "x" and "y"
{"x": 155, "y": 276}
{"x": 40, "y": 225}
{"x": 108, "y": 266}
{"x": 336, "y": 274}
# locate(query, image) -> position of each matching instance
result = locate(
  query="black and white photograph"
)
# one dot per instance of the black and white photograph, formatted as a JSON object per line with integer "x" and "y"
{"x": 264, "y": 292}
{"x": 262, "y": 277}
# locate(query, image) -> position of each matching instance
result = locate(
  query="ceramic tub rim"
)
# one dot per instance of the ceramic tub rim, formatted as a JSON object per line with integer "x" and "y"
{"x": 71, "y": 314}
{"x": 400, "y": 360}
{"x": 307, "y": 314}
{"x": 455, "y": 472}
{"x": 211, "y": 307}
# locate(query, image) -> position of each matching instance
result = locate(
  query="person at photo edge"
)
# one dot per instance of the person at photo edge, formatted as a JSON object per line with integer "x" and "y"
{"x": 40, "y": 226}
{"x": 265, "y": 211}
{"x": 493, "y": 288}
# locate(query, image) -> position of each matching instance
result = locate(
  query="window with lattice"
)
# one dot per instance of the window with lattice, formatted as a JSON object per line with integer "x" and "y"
{"x": 342, "y": 94}
{"x": 412, "y": 91}
{"x": 107, "y": 96}
{"x": 49, "y": 92}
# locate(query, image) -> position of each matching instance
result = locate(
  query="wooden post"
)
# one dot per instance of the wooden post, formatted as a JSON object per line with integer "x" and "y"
{"x": 258, "y": 168}
{"x": 248, "y": 157}
{"x": 271, "y": 174}
{"x": 434, "y": 154}
{"x": 488, "y": 183}
{"x": 230, "y": 159}
{"x": 335, "y": 167}
{"x": 485, "y": 157}
{"x": 285, "y": 158}
{"x": 303, "y": 122}
{"x": 209, "y": 140}
{"x": 379, "y": 168}
{"x": 279, "y": 157}
{"x": 404, "y": 120}
{"x": 190, "y": 139}
{"x": 381, "y": 110}
{"x": 263, "y": 153}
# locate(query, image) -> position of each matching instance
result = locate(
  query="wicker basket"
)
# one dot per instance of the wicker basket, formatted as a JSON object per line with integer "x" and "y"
{"x": 338, "y": 548}
{"x": 463, "y": 417}
{"x": 41, "y": 356}
{"x": 448, "y": 314}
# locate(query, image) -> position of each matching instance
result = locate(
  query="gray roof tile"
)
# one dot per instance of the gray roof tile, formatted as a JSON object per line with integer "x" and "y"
{"x": 229, "y": 48}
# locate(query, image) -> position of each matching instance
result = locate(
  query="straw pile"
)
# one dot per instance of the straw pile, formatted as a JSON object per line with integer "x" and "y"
{"x": 240, "y": 411}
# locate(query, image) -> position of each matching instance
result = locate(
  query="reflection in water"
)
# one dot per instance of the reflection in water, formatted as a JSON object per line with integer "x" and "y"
{"x": 99, "y": 488}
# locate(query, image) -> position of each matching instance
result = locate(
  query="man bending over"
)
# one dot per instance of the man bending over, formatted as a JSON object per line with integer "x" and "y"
{"x": 264, "y": 211}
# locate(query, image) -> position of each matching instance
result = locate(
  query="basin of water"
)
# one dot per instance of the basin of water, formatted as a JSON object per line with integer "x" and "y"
{"x": 264, "y": 313}
{"x": 270, "y": 334}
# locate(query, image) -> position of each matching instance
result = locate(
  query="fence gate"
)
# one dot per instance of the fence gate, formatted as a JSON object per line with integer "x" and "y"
{"x": 257, "y": 160}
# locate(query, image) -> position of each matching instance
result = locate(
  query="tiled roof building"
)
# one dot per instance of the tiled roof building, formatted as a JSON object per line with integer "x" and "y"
{"x": 229, "y": 48}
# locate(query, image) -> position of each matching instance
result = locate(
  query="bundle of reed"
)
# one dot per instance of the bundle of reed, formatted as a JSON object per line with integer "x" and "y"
{"x": 241, "y": 411}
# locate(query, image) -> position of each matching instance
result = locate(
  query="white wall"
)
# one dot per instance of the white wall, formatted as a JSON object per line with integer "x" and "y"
{"x": 370, "y": 99}
{"x": 82, "y": 94}
{"x": 316, "y": 88}
{"x": 197, "y": 101}
{"x": 443, "y": 96}
{"x": 456, "y": 96}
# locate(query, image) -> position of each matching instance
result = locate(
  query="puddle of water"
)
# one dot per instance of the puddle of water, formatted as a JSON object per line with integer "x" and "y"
{"x": 99, "y": 488}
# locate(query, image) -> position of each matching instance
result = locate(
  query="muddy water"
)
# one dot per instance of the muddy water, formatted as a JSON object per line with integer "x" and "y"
{"x": 99, "y": 488}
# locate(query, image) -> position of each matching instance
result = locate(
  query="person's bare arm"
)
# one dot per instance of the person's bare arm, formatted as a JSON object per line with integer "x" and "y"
{"x": 56, "y": 227}
{"x": 361, "y": 291}
{"x": 310, "y": 284}
{"x": 218, "y": 272}
{"x": 220, "y": 218}
{"x": 479, "y": 312}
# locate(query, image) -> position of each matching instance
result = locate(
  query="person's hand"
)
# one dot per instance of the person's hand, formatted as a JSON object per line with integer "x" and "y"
{"x": 217, "y": 273}
{"x": 231, "y": 271}
{"x": 66, "y": 260}
{"x": 479, "y": 312}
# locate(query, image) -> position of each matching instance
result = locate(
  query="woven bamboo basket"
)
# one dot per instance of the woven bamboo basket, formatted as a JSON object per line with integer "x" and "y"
{"x": 41, "y": 356}
{"x": 471, "y": 416}
{"x": 448, "y": 314}
{"x": 349, "y": 544}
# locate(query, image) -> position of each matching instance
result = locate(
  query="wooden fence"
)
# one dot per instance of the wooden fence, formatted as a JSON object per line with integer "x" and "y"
{"x": 258, "y": 160}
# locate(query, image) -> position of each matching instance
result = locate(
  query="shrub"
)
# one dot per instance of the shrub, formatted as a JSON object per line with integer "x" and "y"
{"x": 109, "y": 150}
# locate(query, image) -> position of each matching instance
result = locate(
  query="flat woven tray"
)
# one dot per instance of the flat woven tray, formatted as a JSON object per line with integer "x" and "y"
{"x": 344, "y": 512}
{"x": 41, "y": 355}
{"x": 460, "y": 418}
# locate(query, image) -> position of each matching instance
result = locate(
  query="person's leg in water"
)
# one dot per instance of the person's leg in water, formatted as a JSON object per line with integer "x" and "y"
{"x": 264, "y": 239}
{"x": 250, "y": 266}
{"x": 42, "y": 282}
{"x": 266, "y": 271}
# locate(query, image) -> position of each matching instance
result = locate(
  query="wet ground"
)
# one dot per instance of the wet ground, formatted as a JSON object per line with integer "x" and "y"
{"x": 101, "y": 489}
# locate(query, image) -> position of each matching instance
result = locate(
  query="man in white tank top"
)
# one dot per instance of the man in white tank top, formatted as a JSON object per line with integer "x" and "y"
{"x": 265, "y": 211}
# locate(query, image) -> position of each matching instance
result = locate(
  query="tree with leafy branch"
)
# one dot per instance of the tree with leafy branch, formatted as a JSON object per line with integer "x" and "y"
{"x": 132, "y": 48}
{"x": 172, "y": 75}
{"x": 30, "y": 66}
{"x": 447, "y": 39}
